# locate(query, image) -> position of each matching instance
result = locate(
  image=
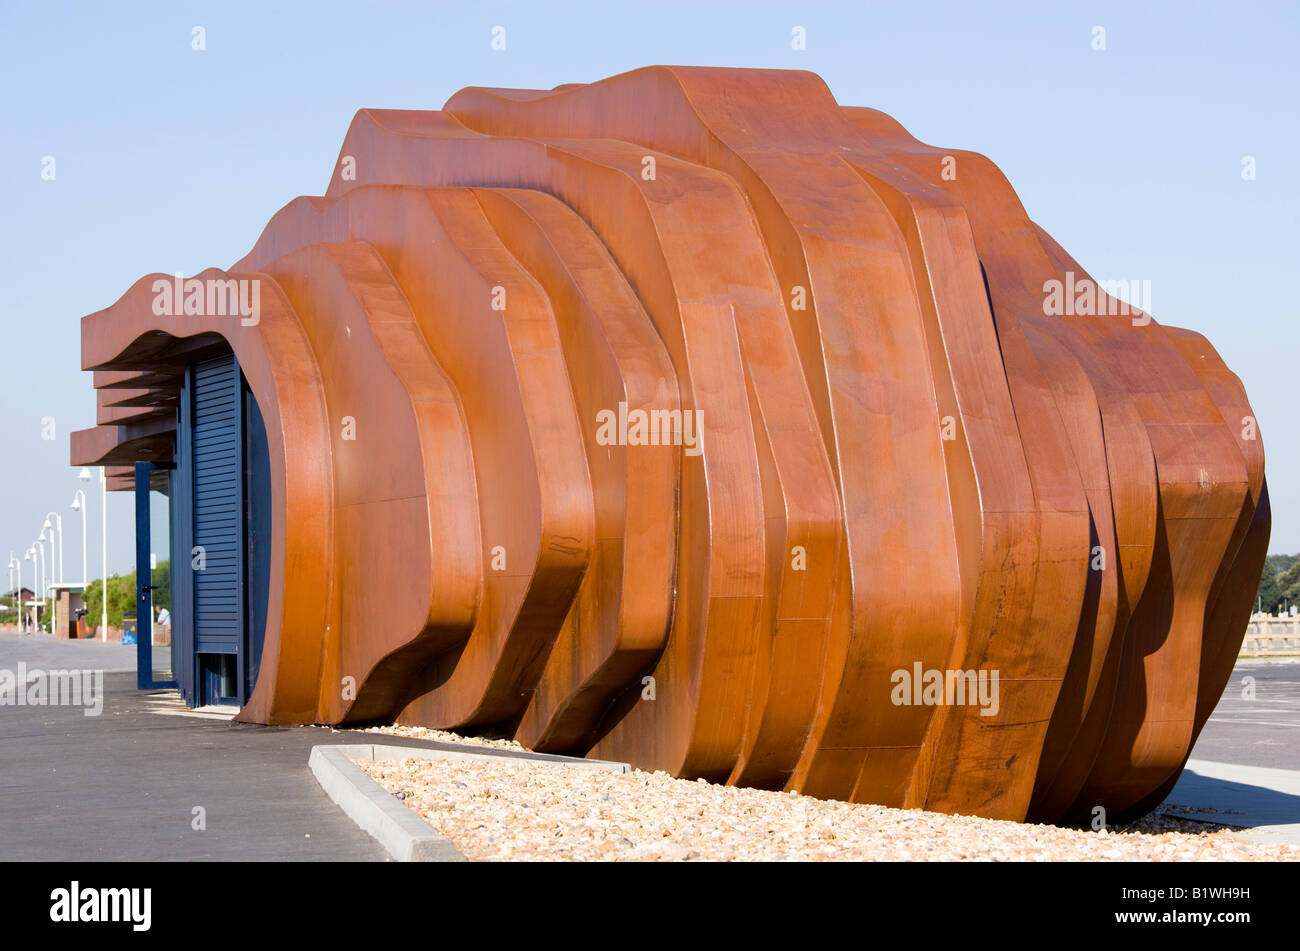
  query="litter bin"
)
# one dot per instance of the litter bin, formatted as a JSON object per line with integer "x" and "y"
{"x": 128, "y": 629}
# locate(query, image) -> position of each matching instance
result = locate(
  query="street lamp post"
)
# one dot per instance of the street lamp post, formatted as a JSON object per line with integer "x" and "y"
{"x": 18, "y": 591}
{"x": 30, "y": 555}
{"x": 79, "y": 505}
{"x": 103, "y": 540}
{"x": 44, "y": 578}
{"x": 54, "y": 523}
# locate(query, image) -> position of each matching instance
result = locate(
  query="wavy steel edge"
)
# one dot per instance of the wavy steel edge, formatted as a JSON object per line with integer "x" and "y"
{"x": 909, "y": 463}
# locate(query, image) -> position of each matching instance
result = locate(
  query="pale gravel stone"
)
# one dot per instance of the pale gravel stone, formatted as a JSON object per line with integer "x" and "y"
{"x": 494, "y": 811}
{"x": 440, "y": 736}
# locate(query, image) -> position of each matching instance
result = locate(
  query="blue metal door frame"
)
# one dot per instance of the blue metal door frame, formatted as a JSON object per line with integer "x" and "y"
{"x": 245, "y": 495}
{"x": 144, "y": 580}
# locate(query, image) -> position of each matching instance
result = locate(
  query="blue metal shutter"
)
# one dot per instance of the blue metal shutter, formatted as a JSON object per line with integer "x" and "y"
{"x": 216, "y": 499}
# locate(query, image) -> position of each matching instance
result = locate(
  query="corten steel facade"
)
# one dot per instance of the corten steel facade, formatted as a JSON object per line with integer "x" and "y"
{"x": 885, "y": 459}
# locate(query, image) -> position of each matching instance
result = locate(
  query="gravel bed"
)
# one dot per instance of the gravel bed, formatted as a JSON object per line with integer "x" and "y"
{"x": 546, "y": 812}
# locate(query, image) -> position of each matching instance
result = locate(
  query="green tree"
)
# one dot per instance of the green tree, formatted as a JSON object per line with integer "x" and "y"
{"x": 121, "y": 595}
{"x": 1289, "y": 583}
{"x": 1280, "y": 583}
{"x": 162, "y": 585}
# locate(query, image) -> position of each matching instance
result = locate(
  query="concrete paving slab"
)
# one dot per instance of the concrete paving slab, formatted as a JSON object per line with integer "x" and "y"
{"x": 46, "y": 650}
{"x": 1260, "y": 799}
{"x": 402, "y": 833}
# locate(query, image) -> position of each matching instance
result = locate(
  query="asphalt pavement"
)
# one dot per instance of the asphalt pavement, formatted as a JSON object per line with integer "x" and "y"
{"x": 145, "y": 779}
{"x": 1257, "y": 720}
{"x": 126, "y": 784}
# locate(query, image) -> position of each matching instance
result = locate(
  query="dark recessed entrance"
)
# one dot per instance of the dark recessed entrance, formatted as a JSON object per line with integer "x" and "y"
{"x": 220, "y": 492}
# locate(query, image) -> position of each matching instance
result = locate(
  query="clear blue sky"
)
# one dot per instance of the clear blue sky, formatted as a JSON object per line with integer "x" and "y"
{"x": 168, "y": 159}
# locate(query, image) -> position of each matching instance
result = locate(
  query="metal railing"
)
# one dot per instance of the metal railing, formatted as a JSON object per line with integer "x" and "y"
{"x": 1267, "y": 635}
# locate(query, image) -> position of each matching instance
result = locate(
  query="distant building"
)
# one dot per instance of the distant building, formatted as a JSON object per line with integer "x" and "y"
{"x": 69, "y": 604}
{"x": 27, "y": 594}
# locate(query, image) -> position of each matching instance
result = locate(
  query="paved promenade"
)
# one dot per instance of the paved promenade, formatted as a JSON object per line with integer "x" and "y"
{"x": 124, "y": 784}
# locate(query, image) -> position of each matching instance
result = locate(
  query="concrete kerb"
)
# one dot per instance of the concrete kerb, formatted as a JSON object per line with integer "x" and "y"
{"x": 406, "y": 836}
